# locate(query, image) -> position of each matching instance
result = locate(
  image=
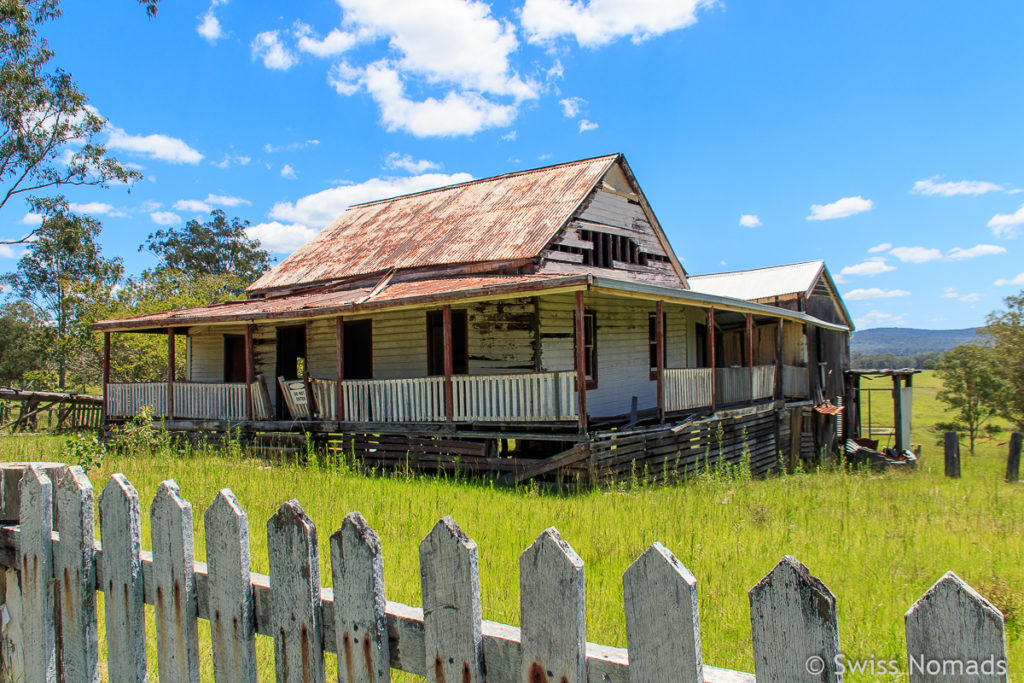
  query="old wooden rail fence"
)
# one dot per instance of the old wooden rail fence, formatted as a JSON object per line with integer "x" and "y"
{"x": 59, "y": 410}
{"x": 54, "y": 568}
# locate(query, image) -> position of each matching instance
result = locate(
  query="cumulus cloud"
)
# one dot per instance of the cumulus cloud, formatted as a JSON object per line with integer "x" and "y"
{"x": 879, "y": 248}
{"x": 951, "y": 293}
{"x": 880, "y": 318}
{"x": 334, "y": 43}
{"x": 279, "y": 237}
{"x": 571, "y": 106}
{"x": 750, "y": 220}
{"x": 1007, "y": 225}
{"x": 406, "y": 163}
{"x": 457, "y": 113}
{"x": 32, "y": 219}
{"x": 873, "y": 266}
{"x": 211, "y": 202}
{"x": 929, "y": 186}
{"x": 288, "y": 172}
{"x": 156, "y": 146}
{"x": 97, "y": 209}
{"x": 236, "y": 159}
{"x": 874, "y": 293}
{"x": 586, "y": 125}
{"x": 271, "y": 50}
{"x": 847, "y": 206}
{"x": 1019, "y": 280}
{"x": 209, "y": 27}
{"x": 165, "y": 217}
{"x": 599, "y": 22}
{"x": 291, "y": 146}
{"x": 322, "y": 207}
{"x": 916, "y": 254}
{"x": 959, "y": 254}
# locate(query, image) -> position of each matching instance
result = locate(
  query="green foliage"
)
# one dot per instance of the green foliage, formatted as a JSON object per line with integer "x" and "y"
{"x": 141, "y": 434}
{"x": 63, "y": 274}
{"x": 23, "y": 338}
{"x": 85, "y": 450}
{"x": 871, "y": 361}
{"x": 48, "y": 133}
{"x": 972, "y": 387}
{"x": 217, "y": 247}
{"x": 1006, "y": 332}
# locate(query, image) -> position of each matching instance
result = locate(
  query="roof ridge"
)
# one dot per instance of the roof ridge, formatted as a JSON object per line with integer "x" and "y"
{"x": 751, "y": 270}
{"x": 500, "y": 176}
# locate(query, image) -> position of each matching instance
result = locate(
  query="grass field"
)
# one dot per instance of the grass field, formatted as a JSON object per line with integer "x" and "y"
{"x": 877, "y": 540}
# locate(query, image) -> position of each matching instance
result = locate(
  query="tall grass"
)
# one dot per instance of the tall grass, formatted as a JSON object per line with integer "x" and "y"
{"x": 877, "y": 540}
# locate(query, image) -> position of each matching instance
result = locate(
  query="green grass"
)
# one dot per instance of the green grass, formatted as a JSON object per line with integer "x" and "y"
{"x": 877, "y": 540}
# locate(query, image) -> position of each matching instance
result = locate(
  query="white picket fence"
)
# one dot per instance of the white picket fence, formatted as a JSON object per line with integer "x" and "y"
{"x": 192, "y": 400}
{"x": 51, "y": 581}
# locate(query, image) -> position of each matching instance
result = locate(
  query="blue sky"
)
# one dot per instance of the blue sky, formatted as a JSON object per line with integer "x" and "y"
{"x": 883, "y": 137}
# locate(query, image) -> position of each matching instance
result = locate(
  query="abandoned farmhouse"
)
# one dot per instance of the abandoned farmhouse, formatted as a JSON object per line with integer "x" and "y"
{"x": 534, "y": 323}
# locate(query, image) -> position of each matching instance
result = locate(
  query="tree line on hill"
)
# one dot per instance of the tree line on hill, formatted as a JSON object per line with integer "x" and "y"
{"x": 918, "y": 361}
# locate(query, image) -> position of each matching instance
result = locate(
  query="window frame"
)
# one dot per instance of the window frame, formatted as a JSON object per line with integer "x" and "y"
{"x": 652, "y": 340}
{"x": 464, "y": 357}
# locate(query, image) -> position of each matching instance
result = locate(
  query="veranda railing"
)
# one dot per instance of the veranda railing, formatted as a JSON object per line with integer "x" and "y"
{"x": 53, "y": 572}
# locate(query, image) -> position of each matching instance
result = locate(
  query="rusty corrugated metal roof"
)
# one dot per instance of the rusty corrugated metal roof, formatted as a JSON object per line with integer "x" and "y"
{"x": 503, "y": 218}
{"x": 322, "y": 302}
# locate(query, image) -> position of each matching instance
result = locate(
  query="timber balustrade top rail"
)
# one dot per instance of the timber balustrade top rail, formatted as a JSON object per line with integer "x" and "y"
{"x": 793, "y": 614}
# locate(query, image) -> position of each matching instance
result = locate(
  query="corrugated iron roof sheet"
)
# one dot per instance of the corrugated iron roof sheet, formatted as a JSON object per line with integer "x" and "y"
{"x": 760, "y": 283}
{"x": 503, "y": 218}
{"x": 312, "y": 304}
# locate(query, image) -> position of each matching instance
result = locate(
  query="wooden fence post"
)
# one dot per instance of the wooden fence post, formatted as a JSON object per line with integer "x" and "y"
{"x": 952, "y": 443}
{"x": 1013, "y": 459}
{"x": 120, "y": 532}
{"x": 951, "y": 628}
{"x": 76, "y": 579}
{"x": 794, "y": 626}
{"x": 552, "y": 612}
{"x": 36, "y": 554}
{"x": 360, "y": 620}
{"x": 177, "y": 636}
{"x": 230, "y": 601}
{"x": 450, "y": 582}
{"x": 662, "y": 626}
{"x": 295, "y": 607}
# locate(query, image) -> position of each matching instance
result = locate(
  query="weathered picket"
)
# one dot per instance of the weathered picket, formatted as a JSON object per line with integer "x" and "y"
{"x": 953, "y": 634}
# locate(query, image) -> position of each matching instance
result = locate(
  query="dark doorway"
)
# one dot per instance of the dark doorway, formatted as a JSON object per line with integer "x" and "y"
{"x": 435, "y": 343}
{"x": 234, "y": 358}
{"x": 358, "y": 349}
{"x": 291, "y": 359}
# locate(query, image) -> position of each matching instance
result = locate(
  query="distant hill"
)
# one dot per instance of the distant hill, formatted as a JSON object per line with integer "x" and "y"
{"x": 902, "y": 341}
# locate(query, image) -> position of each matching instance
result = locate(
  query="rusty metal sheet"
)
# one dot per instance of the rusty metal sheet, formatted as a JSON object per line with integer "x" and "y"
{"x": 322, "y": 302}
{"x": 502, "y": 218}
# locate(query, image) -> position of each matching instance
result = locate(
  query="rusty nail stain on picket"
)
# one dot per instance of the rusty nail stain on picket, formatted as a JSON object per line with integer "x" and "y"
{"x": 467, "y": 676}
{"x": 368, "y": 658}
{"x": 438, "y": 669}
{"x": 347, "y": 646}
{"x": 304, "y": 650}
{"x": 537, "y": 674}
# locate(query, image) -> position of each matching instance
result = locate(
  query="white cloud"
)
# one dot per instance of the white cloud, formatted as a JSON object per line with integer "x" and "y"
{"x": 1007, "y": 225}
{"x": 951, "y": 293}
{"x": 461, "y": 113}
{"x": 6, "y": 251}
{"x": 206, "y": 205}
{"x": 1019, "y": 280}
{"x": 345, "y": 78}
{"x": 32, "y": 219}
{"x": 586, "y": 125}
{"x": 239, "y": 159}
{"x": 950, "y": 189}
{"x": 958, "y": 254}
{"x": 209, "y": 27}
{"x": 288, "y": 172}
{"x": 847, "y": 206}
{"x": 445, "y": 41}
{"x": 510, "y": 136}
{"x": 155, "y": 146}
{"x": 750, "y": 220}
{"x": 406, "y": 163}
{"x": 916, "y": 254}
{"x": 599, "y": 22}
{"x": 571, "y": 106}
{"x": 165, "y": 218}
{"x": 291, "y": 146}
{"x": 281, "y": 238}
{"x": 880, "y": 317}
{"x": 873, "y": 266}
{"x": 267, "y": 46}
{"x": 322, "y": 207}
{"x": 334, "y": 43}
{"x": 874, "y": 293}
{"x": 879, "y": 248}
{"x": 97, "y": 209}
